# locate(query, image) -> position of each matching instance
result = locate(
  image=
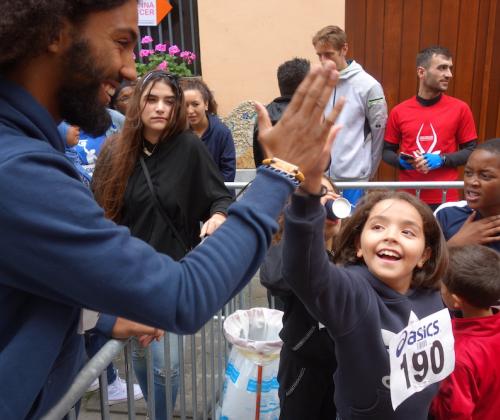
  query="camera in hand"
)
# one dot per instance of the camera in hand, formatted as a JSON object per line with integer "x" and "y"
{"x": 339, "y": 208}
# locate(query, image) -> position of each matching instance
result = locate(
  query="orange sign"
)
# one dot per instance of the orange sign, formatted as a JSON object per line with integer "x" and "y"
{"x": 152, "y": 12}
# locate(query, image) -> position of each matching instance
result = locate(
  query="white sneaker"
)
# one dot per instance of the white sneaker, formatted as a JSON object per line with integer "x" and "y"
{"x": 94, "y": 386}
{"x": 117, "y": 391}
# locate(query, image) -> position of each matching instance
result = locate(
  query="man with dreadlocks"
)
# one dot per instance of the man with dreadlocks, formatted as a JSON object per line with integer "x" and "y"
{"x": 62, "y": 59}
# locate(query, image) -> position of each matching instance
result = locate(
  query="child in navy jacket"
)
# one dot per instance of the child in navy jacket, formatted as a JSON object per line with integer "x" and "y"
{"x": 392, "y": 255}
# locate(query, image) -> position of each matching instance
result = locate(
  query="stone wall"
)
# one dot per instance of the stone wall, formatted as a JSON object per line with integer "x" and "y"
{"x": 241, "y": 122}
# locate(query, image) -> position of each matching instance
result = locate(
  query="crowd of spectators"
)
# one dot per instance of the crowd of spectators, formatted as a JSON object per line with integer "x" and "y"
{"x": 122, "y": 209}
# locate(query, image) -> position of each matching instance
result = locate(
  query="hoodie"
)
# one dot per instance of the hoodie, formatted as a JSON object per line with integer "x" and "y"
{"x": 48, "y": 216}
{"x": 220, "y": 144}
{"x": 357, "y": 149}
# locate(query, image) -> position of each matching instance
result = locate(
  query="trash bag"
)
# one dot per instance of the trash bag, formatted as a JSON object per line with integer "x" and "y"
{"x": 251, "y": 384}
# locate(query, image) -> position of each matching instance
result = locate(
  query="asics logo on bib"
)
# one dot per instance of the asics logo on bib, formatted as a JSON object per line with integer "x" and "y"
{"x": 417, "y": 335}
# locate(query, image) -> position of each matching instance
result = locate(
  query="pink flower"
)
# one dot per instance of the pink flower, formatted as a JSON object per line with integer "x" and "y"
{"x": 161, "y": 47}
{"x": 134, "y": 56}
{"x": 174, "y": 49}
{"x": 144, "y": 53}
{"x": 188, "y": 56}
{"x": 163, "y": 65}
{"x": 146, "y": 40}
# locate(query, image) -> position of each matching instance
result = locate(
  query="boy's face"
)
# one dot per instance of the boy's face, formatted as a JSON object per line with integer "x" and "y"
{"x": 482, "y": 182}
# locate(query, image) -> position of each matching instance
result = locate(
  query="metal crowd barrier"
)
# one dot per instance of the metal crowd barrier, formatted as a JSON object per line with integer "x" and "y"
{"x": 202, "y": 360}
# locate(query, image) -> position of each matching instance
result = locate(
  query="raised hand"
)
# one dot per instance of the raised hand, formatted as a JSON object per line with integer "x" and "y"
{"x": 482, "y": 232}
{"x": 302, "y": 136}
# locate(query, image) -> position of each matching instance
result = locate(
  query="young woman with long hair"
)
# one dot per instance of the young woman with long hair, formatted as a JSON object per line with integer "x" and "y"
{"x": 159, "y": 180}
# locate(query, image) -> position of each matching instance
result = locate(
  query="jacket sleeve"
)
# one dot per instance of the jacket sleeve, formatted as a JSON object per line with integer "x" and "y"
{"x": 390, "y": 154}
{"x": 457, "y": 396}
{"x": 333, "y": 295}
{"x": 227, "y": 164}
{"x": 377, "y": 117}
{"x": 72, "y": 254}
{"x": 271, "y": 276}
{"x": 105, "y": 324}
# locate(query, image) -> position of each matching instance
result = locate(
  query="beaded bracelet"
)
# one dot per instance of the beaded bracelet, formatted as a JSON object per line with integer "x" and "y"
{"x": 286, "y": 168}
{"x": 291, "y": 177}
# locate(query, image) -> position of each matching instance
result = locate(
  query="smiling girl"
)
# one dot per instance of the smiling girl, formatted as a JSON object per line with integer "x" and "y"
{"x": 391, "y": 255}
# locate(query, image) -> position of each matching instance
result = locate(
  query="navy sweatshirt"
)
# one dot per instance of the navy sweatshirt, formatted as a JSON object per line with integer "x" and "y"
{"x": 354, "y": 305}
{"x": 59, "y": 254}
{"x": 220, "y": 144}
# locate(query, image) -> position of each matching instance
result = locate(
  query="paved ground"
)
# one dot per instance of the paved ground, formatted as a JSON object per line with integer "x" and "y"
{"x": 91, "y": 407}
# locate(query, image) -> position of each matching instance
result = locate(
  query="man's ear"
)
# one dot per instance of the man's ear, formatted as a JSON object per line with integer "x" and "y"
{"x": 62, "y": 40}
{"x": 420, "y": 72}
{"x": 425, "y": 257}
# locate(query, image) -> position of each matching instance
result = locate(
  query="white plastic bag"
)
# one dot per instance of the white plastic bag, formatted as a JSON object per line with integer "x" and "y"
{"x": 251, "y": 383}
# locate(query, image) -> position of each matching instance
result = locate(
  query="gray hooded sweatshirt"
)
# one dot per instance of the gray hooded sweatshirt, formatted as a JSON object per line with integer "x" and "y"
{"x": 357, "y": 149}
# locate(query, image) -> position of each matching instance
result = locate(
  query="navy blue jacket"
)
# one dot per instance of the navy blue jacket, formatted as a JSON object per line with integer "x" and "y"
{"x": 59, "y": 254}
{"x": 220, "y": 144}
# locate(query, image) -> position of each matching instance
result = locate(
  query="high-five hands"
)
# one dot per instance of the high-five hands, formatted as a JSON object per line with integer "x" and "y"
{"x": 302, "y": 136}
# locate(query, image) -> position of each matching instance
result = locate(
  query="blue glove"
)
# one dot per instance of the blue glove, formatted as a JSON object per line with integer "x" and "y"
{"x": 434, "y": 161}
{"x": 404, "y": 164}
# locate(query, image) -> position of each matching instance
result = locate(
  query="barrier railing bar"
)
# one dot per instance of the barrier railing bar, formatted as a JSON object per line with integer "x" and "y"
{"x": 130, "y": 382}
{"x": 150, "y": 382}
{"x": 204, "y": 372}
{"x": 168, "y": 377}
{"x": 83, "y": 380}
{"x": 194, "y": 393}
{"x": 182, "y": 372}
{"x": 379, "y": 184}
{"x": 103, "y": 395}
{"x": 212, "y": 368}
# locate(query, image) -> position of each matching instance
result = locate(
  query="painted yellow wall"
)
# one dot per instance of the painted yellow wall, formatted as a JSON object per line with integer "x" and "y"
{"x": 243, "y": 42}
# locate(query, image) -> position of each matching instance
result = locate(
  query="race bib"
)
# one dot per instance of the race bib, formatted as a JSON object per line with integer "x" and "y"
{"x": 421, "y": 354}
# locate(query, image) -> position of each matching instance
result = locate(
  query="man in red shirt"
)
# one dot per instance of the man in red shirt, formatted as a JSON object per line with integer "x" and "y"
{"x": 433, "y": 132}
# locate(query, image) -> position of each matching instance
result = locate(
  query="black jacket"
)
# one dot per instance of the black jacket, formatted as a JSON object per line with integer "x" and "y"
{"x": 189, "y": 187}
{"x": 275, "y": 110}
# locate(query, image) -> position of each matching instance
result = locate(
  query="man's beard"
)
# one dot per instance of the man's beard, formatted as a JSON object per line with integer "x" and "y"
{"x": 78, "y": 96}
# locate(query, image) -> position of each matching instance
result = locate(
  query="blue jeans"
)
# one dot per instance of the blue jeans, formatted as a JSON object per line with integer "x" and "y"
{"x": 159, "y": 372}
